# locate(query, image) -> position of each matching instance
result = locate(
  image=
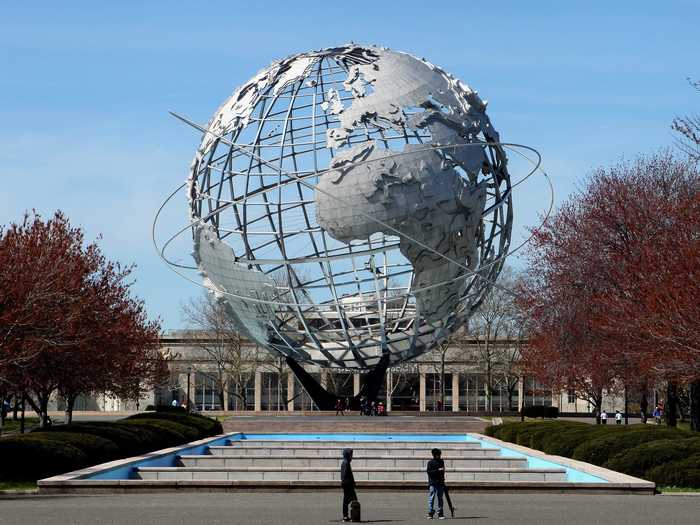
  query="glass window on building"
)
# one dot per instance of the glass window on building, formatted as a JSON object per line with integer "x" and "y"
{"x": 405, "y": 390}
{"x": 571, "y": 397}
{"x": 434, "y": 385}
{"x": 206, "y": 392}
{"x": 535, "y": 393}
{"x": 241, "y": 393}
{"x": 274, "y": 391}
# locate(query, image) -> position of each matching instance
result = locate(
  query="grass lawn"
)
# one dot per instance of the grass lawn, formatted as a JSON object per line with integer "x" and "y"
{"x": 11, "y": 425}
{"x": 17, "y": 485}
{"x": 676, "y": 489}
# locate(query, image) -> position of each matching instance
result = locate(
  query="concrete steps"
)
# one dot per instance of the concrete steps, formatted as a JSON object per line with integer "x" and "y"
{"x": 336, "y": 452}
{"x": 318, "y": 474}
{"x": 360, "y": 461}
{"x": 373, "y": 462}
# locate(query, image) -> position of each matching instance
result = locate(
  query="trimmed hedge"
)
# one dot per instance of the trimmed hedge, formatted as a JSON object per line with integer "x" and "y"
{"x": 601, "y": 449}
{"x": 682, "y": 473}
{"x": 28, "y": 458}
{"x": 64, "y": 448}
{"x": 97, "y": 449}
{"x": 206, "y": 427}
{"x": 643, "y": 458}
{"x": 667, "y": 456}
{"x": 129, "y": 441}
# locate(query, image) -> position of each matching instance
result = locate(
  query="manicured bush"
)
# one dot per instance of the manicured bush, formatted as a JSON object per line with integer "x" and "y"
{"x": 28, "y": 458}
{"x": 642, "y": 458}
{"x": 97, "y": 449}
{"x": 682, "y": 473}
{"x": 206, "y": 426}
{"x": 599, "y": 450}
{"x": 563, "y": 443}
{"x": 160, "y": 433}
{"x": 128, "y": 440}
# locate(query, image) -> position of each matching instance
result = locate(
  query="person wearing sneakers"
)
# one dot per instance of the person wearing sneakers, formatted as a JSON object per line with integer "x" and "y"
{"x": 436, "y": 484}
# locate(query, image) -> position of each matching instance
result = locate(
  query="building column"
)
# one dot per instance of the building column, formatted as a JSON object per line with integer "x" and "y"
{"x": 355, "y": 384}
{"x": 521, "y": 393}
{"x": 455, "y": 391}
{"x": 324, "y": 378}
{"x": 421, "y": 393}
{"x": 290, "y": 392}
{"x": 226, "y": 397}
{"x": 258, "y": 392}
{"x": 389, "y": 379}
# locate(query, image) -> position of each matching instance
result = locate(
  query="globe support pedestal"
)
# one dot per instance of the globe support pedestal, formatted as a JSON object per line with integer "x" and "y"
{"x": 325, "y": 400}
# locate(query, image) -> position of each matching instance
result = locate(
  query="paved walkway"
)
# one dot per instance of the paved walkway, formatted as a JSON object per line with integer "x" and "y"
{"x": 330, "y": 424}
{"x": 305, "y": 509}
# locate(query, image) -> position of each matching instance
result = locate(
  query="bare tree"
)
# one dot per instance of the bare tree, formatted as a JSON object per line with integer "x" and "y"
{"x": 492, "y": 328}
{"x": 219, "y": 338}
{"x": 688, "y": 130}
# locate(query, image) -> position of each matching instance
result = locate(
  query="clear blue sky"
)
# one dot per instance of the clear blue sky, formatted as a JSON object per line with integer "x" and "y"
{"x": 85, "y": 88}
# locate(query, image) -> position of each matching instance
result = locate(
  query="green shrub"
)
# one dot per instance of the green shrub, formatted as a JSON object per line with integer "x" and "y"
{"x": 683, "y": 473}
{"x": 160, "y": 433}
{"x": 491, "y": 430}
{"x": 642, "y": 458}
{"x": 599, "y": 450}
{"x": 563, "y": 443}
{"x": 206, "y": 426}
{"x": 127, "y": 440}
{"x": 97, "y": 449}
{"x": 28, "y": 458}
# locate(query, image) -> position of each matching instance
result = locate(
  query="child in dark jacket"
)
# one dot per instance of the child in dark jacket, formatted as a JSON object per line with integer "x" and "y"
{"x": 436, "y": 483}
{"x": 347, "y": 480}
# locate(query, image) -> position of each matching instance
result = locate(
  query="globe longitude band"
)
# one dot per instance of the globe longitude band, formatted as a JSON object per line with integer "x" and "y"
{"x": 377, "y": 240}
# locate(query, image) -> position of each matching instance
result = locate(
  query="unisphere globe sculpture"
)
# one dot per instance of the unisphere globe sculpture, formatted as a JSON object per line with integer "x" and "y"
{"x": 350, "y": 203}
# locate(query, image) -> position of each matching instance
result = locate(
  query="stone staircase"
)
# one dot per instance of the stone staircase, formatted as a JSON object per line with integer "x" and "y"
{"x": 374, "y": 462}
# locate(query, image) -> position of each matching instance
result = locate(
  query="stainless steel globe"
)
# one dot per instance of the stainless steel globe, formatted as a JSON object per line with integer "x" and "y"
{"x": 350, "y": 203}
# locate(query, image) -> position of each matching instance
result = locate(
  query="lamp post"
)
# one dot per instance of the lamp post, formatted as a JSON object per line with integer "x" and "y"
{"x": 187, "y": 396}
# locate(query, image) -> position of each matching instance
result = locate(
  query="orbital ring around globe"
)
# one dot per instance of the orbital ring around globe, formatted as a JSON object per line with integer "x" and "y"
{"x": 536, "y": 167}
{"x": 337, "y": 213}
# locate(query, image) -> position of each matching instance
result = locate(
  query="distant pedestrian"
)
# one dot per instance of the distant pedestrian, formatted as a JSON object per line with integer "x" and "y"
{"x": 618, "y": 418}
{"x": 339, "y": 408}
{"x": 604, "y": 417}
{"x": 657, "y": 415}
{"x": 347, "y": 405}
{"x": 347, "y": 481}
{"x": 436, "y": 484}
{"x": 174, "y": 404}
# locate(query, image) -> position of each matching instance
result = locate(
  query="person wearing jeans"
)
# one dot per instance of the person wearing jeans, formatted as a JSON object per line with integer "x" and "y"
{"x": 436, "y": 484}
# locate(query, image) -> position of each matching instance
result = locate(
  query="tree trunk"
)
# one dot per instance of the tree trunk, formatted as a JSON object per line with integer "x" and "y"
{"x": 644, "y": 406}
{"x": 44, "y": 410}
{"x": 598, "y": 405}
{"x": 627, "y": 420}
{"x": 70, "y": 403}
{"x": 21, "y": 422}
{"x": 671, "y": 408}
{"x": 695, "y": 406}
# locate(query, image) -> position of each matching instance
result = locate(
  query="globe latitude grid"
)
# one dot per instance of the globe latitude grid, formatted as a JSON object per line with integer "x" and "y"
{"x": 330, "y": 198}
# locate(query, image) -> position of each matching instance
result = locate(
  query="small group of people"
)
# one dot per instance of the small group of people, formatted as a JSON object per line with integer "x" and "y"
{"x": 367, "y": 408}
{"x": 604, "y": 417}
{"x": 437, "y": 490}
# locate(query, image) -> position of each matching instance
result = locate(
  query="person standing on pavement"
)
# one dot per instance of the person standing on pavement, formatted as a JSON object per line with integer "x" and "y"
{"x": 347, "y": 480}
{"x": 618, "y": 418}
{"x": 436, "y": 484}
{"x": 604, "y": 417}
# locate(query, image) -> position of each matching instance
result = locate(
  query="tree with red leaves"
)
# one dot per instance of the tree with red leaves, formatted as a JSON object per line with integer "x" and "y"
{"x": 68, "y": 322}
{"x": 614, "y": 279}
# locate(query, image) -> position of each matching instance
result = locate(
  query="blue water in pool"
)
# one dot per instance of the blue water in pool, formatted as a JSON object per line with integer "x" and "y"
{"x": 127, "y": 471}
